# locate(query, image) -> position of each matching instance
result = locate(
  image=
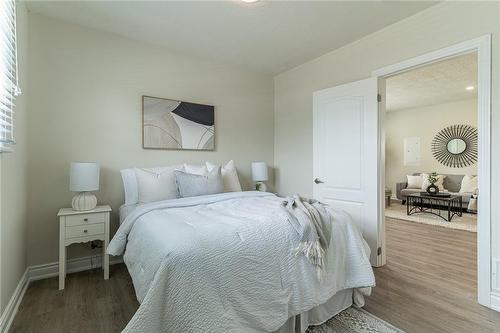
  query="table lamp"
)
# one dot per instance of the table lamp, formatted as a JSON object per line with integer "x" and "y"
{"x": 259, "y": 175}
{"x": 84, "y": 178}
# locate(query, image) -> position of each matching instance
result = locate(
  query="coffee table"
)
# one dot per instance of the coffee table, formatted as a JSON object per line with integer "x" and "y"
{"x": 421, "y": 203}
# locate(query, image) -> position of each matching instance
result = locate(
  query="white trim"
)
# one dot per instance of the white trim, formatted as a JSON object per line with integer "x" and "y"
{"x": 49, "y": 270}
{"x": 11, "y": 309}
{"x": 39, "y": 272}
{"x": 481, "y": 45}
{"x": 495, "y": 301}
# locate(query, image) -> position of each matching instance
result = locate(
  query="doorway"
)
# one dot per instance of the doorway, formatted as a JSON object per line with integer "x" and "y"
{"x": 482, "y": 47}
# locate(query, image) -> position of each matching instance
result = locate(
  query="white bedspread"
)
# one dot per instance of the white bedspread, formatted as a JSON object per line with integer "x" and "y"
{"x": 225, "y": 263}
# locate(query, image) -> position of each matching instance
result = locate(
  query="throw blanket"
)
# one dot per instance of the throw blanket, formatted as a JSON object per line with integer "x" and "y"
{"x": 225, "y": 263}
{"x": 312, "y": 222}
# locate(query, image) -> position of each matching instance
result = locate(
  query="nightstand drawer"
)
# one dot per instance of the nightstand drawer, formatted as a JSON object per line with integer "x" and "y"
{"x": 82, "y": 219}
{"x": 85, "y": 230}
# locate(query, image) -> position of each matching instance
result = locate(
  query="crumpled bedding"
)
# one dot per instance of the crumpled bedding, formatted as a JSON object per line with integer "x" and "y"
{"x": 225, "y": 263}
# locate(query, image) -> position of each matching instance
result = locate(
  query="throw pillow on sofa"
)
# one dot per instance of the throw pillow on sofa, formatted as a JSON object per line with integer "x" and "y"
{"x": 469, "y": 184}
{"x": 414, "y": 181}
{"x": 439, "y": 183}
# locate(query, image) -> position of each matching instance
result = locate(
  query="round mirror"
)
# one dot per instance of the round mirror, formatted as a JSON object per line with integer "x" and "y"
{"x": 456, "y": 146}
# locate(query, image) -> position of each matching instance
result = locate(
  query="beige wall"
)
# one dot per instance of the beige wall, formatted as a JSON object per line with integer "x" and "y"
{"x": 86, "y": 105}
{"x": 442, "y": 25}
{"x": 13, "y": 179}
{"x": 425, "y": 123}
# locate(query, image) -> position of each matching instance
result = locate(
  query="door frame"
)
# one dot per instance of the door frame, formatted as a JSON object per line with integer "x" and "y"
{"x": 481, "y": 45}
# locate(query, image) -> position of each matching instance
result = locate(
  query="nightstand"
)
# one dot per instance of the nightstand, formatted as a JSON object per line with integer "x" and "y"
{"x": 82, "y": 227}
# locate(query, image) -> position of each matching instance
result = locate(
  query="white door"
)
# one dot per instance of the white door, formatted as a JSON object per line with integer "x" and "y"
{"x": 346, "y": 158}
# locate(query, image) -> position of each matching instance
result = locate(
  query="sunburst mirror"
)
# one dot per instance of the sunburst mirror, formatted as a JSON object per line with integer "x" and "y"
{"x": 456, "y": 146}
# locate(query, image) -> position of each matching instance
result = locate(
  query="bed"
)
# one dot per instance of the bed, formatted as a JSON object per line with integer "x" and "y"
{"x": 225, "y": 263}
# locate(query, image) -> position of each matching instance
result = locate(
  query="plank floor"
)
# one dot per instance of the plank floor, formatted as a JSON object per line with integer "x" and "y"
{"x": 428, "y": 285}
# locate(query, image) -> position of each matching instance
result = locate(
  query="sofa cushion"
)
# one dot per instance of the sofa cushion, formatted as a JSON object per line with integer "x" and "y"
{"x": 451, "y": 182}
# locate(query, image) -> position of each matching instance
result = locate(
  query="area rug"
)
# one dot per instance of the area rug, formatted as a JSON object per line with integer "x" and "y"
{"x": 467, "y": 222}
{"x": 354, "y": 320}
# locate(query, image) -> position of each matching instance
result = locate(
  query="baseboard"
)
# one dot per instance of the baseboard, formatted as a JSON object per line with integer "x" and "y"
{"x": 45, "y": 271}
{"x": 11, "y": 309}
{"x": 495, "y": 301}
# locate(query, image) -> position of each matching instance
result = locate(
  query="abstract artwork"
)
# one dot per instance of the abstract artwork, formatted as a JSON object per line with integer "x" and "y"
{"x": 171, "y": 124}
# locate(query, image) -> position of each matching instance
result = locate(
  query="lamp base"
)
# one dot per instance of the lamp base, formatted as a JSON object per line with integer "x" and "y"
{"x": 260, "y": 186}
{"x": 84, "y": 201}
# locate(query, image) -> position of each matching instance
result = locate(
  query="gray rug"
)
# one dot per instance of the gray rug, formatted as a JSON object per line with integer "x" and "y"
{"x": 354, "y": 320}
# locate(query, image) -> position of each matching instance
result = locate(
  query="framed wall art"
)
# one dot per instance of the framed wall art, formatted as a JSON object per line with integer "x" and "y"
{"x": 173, "y": 124}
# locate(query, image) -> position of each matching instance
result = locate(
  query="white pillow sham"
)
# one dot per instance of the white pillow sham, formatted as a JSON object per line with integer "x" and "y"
{"x": 156, "y": 184}
{"x": 229, "y": 176}
{"x": 469, "y": 184}
{"x": 414, "y": 181}
{"x": 195, "y": 169}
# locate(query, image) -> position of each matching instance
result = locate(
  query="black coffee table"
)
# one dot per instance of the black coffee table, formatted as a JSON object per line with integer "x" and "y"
{"x": 437, "y": 205}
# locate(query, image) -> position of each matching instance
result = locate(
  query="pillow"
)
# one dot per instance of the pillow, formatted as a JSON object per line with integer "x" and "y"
{"x": 229, "y": 176}
{"x": 439, "y": 183}
{"x": 414, "y": 181}
{"x": 156, "y": 184}
{"x": 190, "y": 185}
{"x": 130, "y": 186}
{"x": 195, "y": 169}
{"x": 469, "y": 184}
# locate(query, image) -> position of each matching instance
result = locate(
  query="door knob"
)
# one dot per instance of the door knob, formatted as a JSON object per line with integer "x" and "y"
{"x": 318, "y": 181}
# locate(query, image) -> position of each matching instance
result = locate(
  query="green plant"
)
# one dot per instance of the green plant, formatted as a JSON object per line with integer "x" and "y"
{"x": 433, "y": 178}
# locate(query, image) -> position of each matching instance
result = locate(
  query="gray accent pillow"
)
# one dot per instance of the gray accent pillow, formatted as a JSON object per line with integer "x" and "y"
{"x": 190, "y": 185}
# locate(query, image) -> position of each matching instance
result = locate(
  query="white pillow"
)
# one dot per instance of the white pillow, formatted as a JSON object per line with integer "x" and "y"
{"x": 439, "y": 183}
{"x": 130, "y": 186}
{"x": 195, "y": 169}
{"x": 229, "y": 176}
{"x": 191, "y": 185}
{"x": 156, "y": 184}
{"x": 414, "y": 181}
{"x": 469, "y": 184}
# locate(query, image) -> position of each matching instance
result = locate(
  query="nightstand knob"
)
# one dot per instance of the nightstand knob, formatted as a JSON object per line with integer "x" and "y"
{"x": 85, "y": 231}
{"x": 85, "y": 219}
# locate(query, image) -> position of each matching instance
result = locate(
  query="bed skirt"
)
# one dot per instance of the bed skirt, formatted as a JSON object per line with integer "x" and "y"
{"x": 322, "y": 313}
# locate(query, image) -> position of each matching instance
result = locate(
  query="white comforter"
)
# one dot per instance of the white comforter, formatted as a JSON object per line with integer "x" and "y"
{"x": 225, "y": 263}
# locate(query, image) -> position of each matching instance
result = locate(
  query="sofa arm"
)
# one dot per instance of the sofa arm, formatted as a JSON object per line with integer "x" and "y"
{"x": 399, "y": 187}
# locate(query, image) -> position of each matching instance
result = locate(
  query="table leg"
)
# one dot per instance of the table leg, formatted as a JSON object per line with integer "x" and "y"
{"x": 62, "y": 265}
{"x": 105, "y": 257}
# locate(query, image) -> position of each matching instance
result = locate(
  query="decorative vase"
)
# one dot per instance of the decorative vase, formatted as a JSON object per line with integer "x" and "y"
{"x": 260, "y": 186}
{"x": 432, "y": 189}
{"x": 84, "y": 201}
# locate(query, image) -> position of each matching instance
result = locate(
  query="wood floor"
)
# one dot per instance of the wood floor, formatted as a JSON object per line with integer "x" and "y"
{"x": 88, "y": 304}
{"x": 429, "y": 282}
{"x": 428, "y": 285}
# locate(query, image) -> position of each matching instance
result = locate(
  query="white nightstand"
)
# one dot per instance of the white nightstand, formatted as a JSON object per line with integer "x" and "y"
{"x": 82, "y": 227}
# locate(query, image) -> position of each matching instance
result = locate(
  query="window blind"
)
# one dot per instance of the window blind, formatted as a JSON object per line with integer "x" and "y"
{"x": 9, "y": 88}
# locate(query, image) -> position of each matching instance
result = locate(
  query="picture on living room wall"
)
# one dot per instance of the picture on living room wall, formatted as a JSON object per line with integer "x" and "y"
{"x": 172, "y": 124}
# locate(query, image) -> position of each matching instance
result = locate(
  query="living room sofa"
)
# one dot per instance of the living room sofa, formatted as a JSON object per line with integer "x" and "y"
{"x": 451, "y": 183}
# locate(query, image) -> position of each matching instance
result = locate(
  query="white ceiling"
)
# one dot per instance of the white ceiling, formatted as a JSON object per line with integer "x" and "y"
{"x": 268, "y": 36}
{"x": 437, "y": 83}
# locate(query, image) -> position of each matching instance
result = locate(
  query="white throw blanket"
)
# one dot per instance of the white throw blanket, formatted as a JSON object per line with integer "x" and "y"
{"x": 225, "y": 263}
{"x": 312, "y": 222}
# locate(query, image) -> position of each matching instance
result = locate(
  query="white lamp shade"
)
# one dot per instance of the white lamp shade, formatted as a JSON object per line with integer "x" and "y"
{"x": 84, "y": 176}
{"x": 259, "y": 171}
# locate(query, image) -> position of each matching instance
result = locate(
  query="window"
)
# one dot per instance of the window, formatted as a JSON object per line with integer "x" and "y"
{"x": 8, "y": 72}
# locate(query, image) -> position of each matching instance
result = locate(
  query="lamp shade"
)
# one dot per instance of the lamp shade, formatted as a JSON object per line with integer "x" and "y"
{"x": 84, "y": 176}
{"x": 259, "y": 171}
